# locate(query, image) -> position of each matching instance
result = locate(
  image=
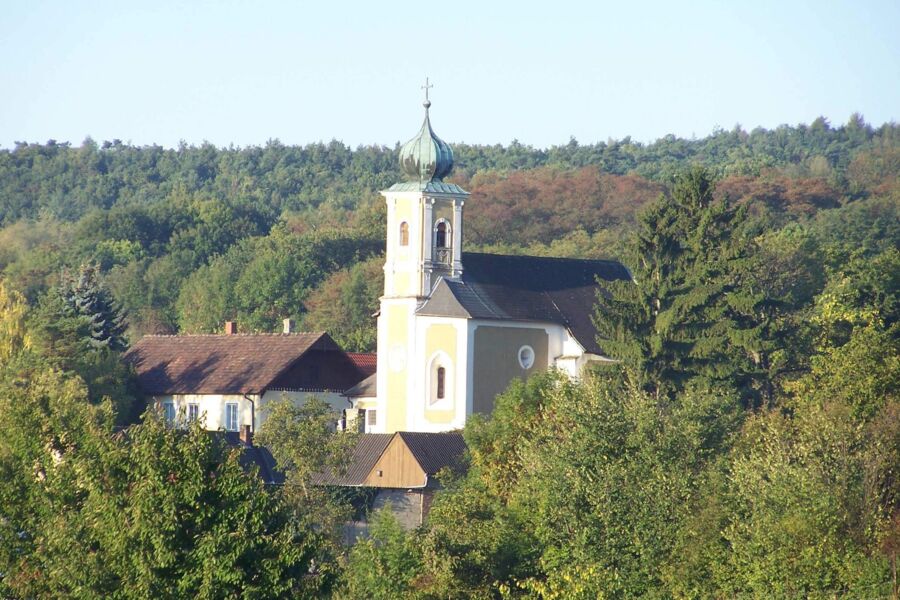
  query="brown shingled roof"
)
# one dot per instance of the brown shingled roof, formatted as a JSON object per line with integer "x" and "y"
{"x": 219, "y": 364}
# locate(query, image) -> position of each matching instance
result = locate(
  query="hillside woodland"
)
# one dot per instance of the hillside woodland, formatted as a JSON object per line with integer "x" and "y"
{"x": 746, "y": 444}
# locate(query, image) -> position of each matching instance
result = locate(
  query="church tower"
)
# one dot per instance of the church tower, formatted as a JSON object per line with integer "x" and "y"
{"x": 424, "y": 243}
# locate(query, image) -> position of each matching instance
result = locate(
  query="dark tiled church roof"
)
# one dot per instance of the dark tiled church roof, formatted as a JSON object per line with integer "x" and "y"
{"x": 238, "y": 364}
{"x": 527, "y": 288}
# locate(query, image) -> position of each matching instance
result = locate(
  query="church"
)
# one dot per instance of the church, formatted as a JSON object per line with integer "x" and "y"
{"x": 455, "y": 328}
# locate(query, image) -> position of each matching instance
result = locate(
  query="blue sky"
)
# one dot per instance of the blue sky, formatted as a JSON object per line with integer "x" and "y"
{"x": 245, "y": 72}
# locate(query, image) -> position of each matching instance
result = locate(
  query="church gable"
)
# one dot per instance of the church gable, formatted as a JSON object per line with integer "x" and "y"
{"x": 527, "y": 288}
{"x": 443, "y": 302}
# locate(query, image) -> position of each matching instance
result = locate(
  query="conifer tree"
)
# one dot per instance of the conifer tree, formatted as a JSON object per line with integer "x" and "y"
{"x": 673, "y": 321}
{"x": 85, "y": 296}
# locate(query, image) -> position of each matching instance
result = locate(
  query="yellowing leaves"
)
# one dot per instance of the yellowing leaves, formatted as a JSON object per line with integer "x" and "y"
{"x": 14, "y": 336}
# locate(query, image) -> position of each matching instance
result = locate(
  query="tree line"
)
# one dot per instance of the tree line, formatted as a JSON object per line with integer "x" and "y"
{"x": 746, "y": 444}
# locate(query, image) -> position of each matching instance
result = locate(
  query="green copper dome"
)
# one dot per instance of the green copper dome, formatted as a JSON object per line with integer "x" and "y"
{"x": 426, "y": 157}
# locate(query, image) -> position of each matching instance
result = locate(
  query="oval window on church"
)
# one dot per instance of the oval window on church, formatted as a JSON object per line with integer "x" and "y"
{"x": 526, "y": 357}
{"x": 404, "y": 233}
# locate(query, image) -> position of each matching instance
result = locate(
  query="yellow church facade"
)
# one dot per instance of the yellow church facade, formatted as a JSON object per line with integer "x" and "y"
{"x": 454, "y": 328}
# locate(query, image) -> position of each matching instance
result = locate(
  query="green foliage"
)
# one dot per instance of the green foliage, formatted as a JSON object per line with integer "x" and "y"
{"x": 383, "y": 566}
{"x": 150, "y": 512}
{"x": 14, "y": 336}
{"x": 673, "y": 322}
{"x": 344, "y": 303}
{"x": 862, "y": 374}
{"x": 303, "y": 441}
{"x": 798, "y": 523}
{"x": 86, "y": 298}
{"x": 261, "y": 281}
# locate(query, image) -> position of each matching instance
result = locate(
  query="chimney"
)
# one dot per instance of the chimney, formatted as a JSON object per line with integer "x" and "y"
{"x": 230, "y": 327}
{"x": 288, "y": 326}
{"x": 246, "y": 435}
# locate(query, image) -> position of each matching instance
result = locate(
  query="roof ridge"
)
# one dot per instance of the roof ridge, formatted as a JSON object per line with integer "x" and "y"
{"x": 231, "y": 335}
{"x": 548, "y": 258}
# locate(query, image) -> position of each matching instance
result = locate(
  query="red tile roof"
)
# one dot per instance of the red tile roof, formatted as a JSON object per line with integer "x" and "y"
{"x": 365, "y": 361}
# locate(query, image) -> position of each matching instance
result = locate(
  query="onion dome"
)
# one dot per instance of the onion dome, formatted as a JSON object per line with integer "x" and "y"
{"x": 426, "y": 157}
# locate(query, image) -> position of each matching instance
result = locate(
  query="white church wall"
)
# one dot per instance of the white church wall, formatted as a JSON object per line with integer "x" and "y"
{"x": 438, "y": 341}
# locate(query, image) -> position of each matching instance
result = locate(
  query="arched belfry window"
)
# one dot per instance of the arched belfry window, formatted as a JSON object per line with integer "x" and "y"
{"x": 404, "y": 233}
{"x": 442, "y": 235}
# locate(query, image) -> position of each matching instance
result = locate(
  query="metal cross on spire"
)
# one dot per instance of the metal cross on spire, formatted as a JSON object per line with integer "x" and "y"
{"x": 426, "y": 87}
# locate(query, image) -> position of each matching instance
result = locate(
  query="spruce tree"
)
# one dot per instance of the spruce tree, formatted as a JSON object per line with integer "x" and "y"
{"x": 675, "y": 320}
{"x": 85, "y": 297}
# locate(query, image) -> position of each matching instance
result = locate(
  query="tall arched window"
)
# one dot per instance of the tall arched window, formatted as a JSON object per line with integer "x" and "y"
{"x": 441, "y": 375}
{"x": 439, "y": 381}
{"x": 404, "y": 233}
{"x": 440, "y": 237}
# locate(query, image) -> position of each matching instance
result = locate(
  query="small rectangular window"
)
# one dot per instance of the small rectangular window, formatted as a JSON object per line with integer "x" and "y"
{"x": 231, "y": 417}
{"x": 441, "y": 373}
{"x": 169, "y": 411}
{"x": 371, "y": 417}
{"x": 193, "y": 412}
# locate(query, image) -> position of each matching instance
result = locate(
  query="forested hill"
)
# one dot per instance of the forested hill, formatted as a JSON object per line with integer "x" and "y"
{"x": 56, "y": 179}
{"x": 186, "y": 238}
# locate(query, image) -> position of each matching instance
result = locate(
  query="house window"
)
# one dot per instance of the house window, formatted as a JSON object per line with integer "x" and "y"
{"x": 440, "y": 237}
{"x": 404, "y": 233}
{"x": 193, "y": 412}
{"x": 371, "y": 418}
{"x": 169, "y": 411}
{"x": 231, "y": 417}
{"x": 526, "y": 357}
{"x": 441, "y": 374}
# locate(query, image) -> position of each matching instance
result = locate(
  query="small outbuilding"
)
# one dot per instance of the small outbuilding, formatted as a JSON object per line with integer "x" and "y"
{"x": 401, "y": 468}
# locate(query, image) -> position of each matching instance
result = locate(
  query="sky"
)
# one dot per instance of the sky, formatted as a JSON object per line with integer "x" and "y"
{"x": 243, "y": 73}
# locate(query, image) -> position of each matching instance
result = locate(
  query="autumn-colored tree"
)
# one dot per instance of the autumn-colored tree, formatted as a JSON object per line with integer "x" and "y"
{"x": 14, "y": 335}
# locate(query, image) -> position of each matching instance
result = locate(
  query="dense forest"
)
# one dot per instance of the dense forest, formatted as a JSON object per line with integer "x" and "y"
{"x": 746, "y": 444}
